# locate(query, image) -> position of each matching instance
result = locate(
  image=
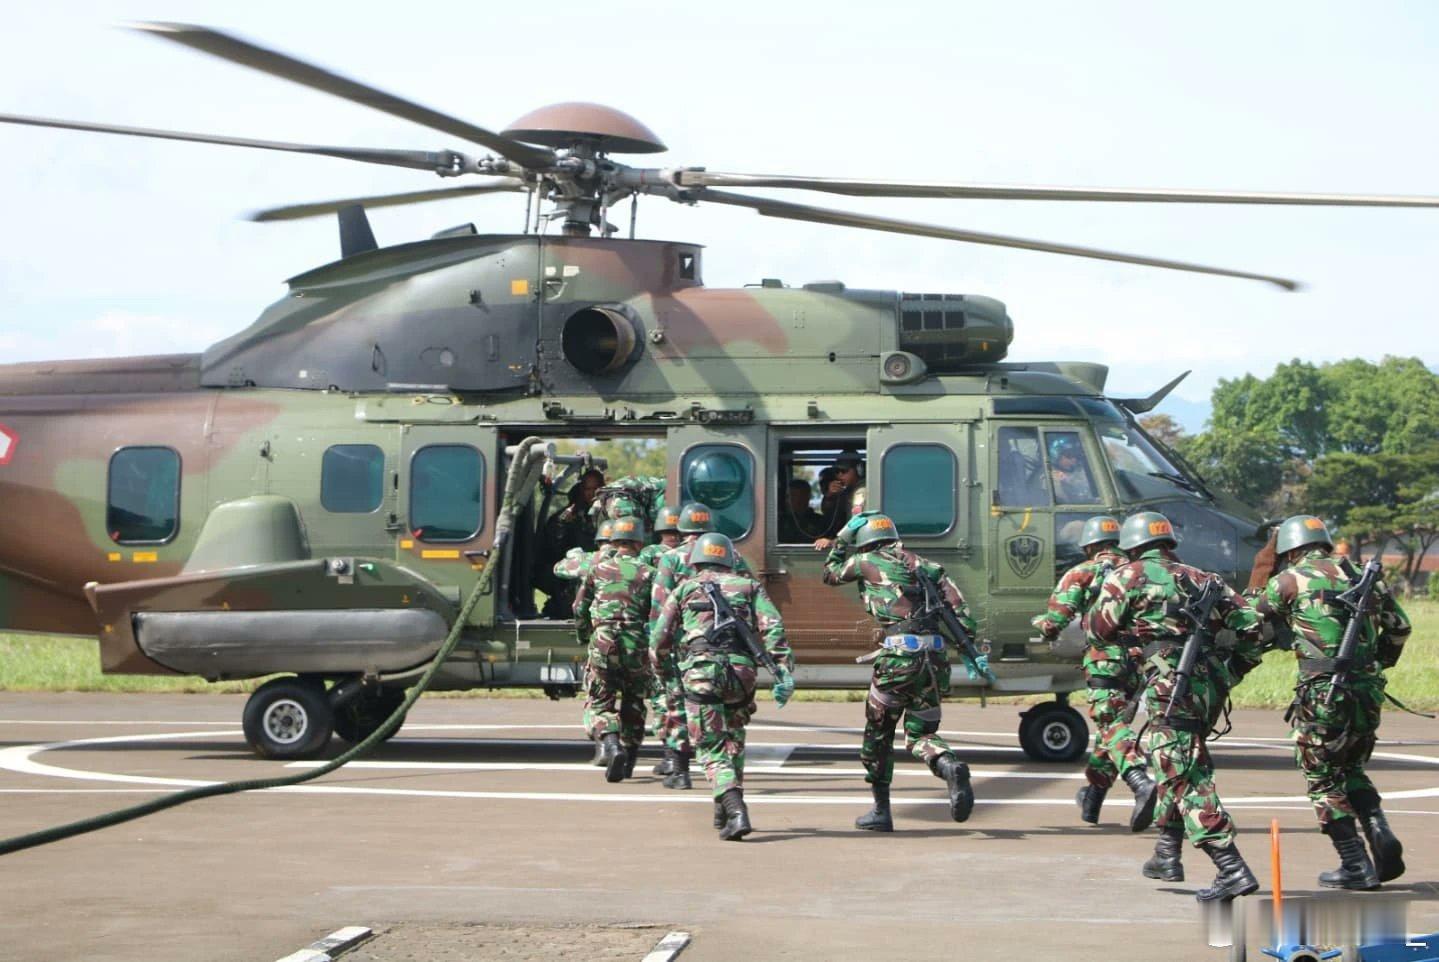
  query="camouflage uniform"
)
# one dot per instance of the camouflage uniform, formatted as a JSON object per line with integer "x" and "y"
{"x": 1139, "y": 605}
{"x": 1111, "y": 671}
{"x": 908, "y": 684}
{"x": 717, "y": 684}
{"x": 611, "y": 609}
{"x": 650, "y": 554}
{"x": 577, "y": 562}
{"x": 1333, "y": 744}
{"x": 632, "y": 497}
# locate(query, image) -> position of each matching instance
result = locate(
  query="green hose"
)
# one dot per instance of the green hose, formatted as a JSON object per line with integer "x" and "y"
{"x": 519, "y": 468}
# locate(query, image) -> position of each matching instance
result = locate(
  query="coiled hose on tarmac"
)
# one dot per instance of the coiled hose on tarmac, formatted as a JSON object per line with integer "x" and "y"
{"x": 524, "y": 469}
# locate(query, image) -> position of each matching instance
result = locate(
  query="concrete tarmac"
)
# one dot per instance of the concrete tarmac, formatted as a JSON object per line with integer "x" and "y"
{"x": 487, "y": 813}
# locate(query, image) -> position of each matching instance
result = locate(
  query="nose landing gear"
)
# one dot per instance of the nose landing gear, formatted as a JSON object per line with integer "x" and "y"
{"x": 1053, "y": 732}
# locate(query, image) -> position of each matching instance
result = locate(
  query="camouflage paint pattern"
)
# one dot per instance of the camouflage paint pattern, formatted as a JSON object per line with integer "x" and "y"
{"x": 717, "y": 686}
{"x": 612, "y": 607}
{"x": 908, "y": 685}
{"x": 1332, "y": 744}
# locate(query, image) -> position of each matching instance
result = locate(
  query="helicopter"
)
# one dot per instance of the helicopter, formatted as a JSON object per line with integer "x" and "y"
{"x": 313, "y": 496}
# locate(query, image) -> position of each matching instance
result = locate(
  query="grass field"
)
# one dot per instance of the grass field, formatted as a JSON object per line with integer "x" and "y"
{"x": 37, "y": 663}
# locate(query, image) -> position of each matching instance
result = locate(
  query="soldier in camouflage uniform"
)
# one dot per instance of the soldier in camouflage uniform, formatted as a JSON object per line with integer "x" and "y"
{"x": 1333, "y": 740}
{"x": 911, "y": 674}
{"x": 674, "y": 566}
{"x": 1111, "y": 676}
{"x": 572, "y": 568}
{"x": 667, "y": 527}
{"x": 612, "y": 608}
{"x": 636, "y": 496}
{"x": 718, "y": 671}
{"x": 1144, "y": 603}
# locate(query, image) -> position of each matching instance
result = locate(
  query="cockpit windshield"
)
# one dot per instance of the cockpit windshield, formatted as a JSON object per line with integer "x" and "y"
{"x": 1140, "y": 468}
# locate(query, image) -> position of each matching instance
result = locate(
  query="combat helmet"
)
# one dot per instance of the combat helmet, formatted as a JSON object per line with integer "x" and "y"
{"x": 628, "y": 529}
{"x": 1146, "y": 528}
{"x": 603, "y": 532}
{"x": 1100, "y": 529}
{"x": 876, "y": 529}
{"x": 668, "y": 520}
{"x": 695, "y": 518}
{"x": 713, "y": 548}
{"x": 1301, "y": 530}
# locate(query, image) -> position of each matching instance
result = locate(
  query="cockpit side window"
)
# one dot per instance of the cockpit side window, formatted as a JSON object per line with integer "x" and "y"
{"x": 1069, "y": 472}
{"x": 1140, "y": 468}
{"x": 1021, "y": 469}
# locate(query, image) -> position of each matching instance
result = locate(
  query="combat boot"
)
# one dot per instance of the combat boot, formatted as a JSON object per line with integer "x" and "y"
{"x": 613, "y": 756}
{"x": 736, "y": 816}
{"x": 1146, "y": 793}
{"x": 666, "y": 764}
{"x": 599, "y": 760}
{"x": 1388, "y": 850}
{"x": 1165, "y": 863}
{"x": 956, "y": 775}
{"x": 1090, "y": 798}
{"x": 632, "y": 755}
{"x": 1355, "y": 871}
{"x": 719, "y": 814}
{"x": 877, "y": 819}
{"x": 1234, "y": 878}
{"x": 679, "y": 776}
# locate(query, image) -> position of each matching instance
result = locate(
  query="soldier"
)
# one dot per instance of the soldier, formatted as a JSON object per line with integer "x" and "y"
{"x": 1334, "y": 739}
{"x": 667, "y": 526}
{"x": 612, "y": 607}
{"x": 718, "y": 670}
{"x": 843, "y": 496}
{"x": 1111, "y": 678}
{"x": 570, "y": 570}
{"x": 1145, "y": 603}
{"x": 912, "y": 674}
{"x": 674, "y": 566}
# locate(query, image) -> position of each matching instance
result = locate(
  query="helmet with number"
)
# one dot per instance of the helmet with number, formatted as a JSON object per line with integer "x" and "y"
{"x": 1300, "y": 531}
{"x": 877, "y": 529}
{"x": 713, "y": 549}
{"x": 695, "y": 518}
{"x": 628, "y": 529}
{"x": 1146, "y": 528}
{"x": 602, "y": 533}
{"x": 668, "y": 520}
{"x": 1100, "y": 529}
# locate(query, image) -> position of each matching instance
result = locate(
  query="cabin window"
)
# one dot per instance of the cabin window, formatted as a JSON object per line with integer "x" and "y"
{"x": 352, "y": 478}
{"x": 721, "y": 476}
{"x": 1021, "y": 470}
{"x": 142, "y": 503}
{"x": 446, "y": 493}
{"x": 918, "y": 485}
{"x": 1069, "y": 473}
{"x": 810, "y": 504}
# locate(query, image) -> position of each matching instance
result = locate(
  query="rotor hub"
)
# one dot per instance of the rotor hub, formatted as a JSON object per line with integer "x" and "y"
{"x": 604, "y": 129}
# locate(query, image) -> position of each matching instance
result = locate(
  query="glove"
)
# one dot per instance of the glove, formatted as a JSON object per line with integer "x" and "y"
{"x": 783, "y": 687}
{"x": 978, "y": 669}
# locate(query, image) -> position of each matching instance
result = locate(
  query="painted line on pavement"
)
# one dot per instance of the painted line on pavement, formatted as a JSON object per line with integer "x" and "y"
{"x": 769, "y": 768}
{"x": 668, "y": 948}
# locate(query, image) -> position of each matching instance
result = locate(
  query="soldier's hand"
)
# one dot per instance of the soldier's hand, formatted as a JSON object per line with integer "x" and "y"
{"x": 823, "y": 544}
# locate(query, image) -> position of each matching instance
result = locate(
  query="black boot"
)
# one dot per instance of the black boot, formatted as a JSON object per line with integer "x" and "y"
{"x": 1146, "y": 793}
{"x": 736, "y": 816}
{"x": 599, "y": 760}
{"x": 1234, "y": 878}
{"x": 679, "y": 776}
{"x": 1387, "y": 849}
{"x": 1355, "y": 871}
{"x": 632, "y": 755}
{"x": 956, "y": 775}
{"x": 613, "y": 756}
{"x": 1090, "y": 798}
{"x": 719, "y": 814}
{"x": 667, "y": 764}
{"x": 877, "y": 819}
{"x": 1164, "y": 864}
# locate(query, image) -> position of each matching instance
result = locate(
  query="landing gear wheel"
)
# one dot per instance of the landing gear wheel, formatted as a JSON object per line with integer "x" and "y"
{"x": 288, "y": 718}
{"x": 361, "y": 716}
{"x": 1053, "y": 732}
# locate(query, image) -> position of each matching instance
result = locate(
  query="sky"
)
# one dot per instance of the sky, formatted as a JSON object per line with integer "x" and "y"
{"x": 115, "y": 245}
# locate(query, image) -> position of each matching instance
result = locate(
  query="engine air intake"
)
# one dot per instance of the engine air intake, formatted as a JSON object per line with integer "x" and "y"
{"x": 599, "y": 340}
{"x": 951, "y": 332}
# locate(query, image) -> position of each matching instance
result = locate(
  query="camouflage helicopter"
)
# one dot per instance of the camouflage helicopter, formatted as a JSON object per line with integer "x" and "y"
{"x": 313, "y": 496}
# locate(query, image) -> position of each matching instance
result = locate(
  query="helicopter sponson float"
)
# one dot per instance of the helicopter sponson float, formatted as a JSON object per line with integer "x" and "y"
{"x": 313, "y": 496}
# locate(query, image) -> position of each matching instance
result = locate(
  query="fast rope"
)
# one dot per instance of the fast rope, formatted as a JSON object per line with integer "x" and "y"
{"x": 520, "y": 468}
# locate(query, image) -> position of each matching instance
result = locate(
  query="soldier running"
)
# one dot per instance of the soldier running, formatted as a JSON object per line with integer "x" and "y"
{"x": 674, "y": 566}
{"x": 1334, "y": 731}
{"x": 911, "y": 674}
{"x": 718, "y": 670}
{"x": 612, "y": 607}
{"x": 1111, "y": 677}
{"x": 667, "y": 527}
{"x": 1145, "y": 602}
{"x": 577, "y": 563}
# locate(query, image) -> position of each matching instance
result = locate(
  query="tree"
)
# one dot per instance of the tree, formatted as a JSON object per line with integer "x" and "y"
{"x": 1163, "y": 429}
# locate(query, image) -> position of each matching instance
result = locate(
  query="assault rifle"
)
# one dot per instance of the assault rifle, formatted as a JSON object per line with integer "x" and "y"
{"x": 725, "y": 621}
{"x": 1356, "y": 601}
{"x": 934, "y": 610}
{"x": 1198, "y": 611}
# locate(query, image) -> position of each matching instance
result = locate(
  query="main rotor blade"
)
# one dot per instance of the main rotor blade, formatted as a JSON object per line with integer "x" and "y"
{"x": 823, "y": 215}
{"x": 246, "y": 54}
{"x": 883, "y": 188}
{"x": 300, "y": 211}
{"x": 418, "y": 159}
